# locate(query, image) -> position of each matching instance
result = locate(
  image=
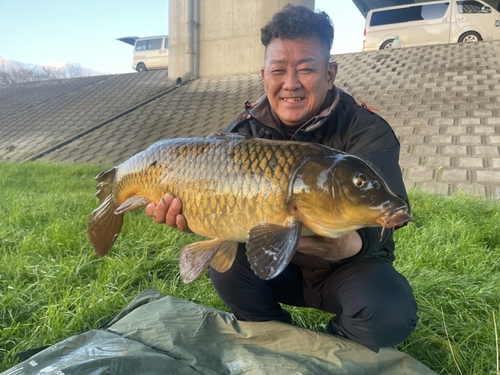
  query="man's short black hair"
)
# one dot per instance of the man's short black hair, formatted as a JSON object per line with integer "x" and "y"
{"x": 294, "y": 22}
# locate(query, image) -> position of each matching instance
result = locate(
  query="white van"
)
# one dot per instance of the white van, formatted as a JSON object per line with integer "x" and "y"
{"x": 149, "y": 53}
{"x": 436, "y": 22}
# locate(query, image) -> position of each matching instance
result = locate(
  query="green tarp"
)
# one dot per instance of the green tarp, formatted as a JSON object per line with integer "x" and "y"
{"x": 160, "y": 335}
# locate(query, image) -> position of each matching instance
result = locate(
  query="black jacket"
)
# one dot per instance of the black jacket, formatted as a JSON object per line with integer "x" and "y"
{"x": 344, "y": 125}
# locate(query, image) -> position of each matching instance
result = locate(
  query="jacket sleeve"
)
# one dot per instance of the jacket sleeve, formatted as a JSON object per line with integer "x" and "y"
{"x": 372, "y": 139}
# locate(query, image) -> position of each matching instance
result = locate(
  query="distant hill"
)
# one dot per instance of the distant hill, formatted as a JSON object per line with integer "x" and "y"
{"x": 12, "y": 71}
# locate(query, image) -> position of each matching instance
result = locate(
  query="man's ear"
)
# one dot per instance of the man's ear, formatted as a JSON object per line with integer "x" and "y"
{"x": 262, "y": 72}
{"x": 332, "y": 72}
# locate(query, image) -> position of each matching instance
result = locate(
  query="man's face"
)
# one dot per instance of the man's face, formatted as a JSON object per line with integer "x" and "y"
{"x": 297, "y": 78}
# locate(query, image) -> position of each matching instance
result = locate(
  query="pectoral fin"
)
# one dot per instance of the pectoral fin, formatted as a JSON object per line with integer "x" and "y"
{"x": 270, "y": 248}
{"x": 132, "y": 203}
{"x": 224, "y": 258}
{"x": 196, "y": 257}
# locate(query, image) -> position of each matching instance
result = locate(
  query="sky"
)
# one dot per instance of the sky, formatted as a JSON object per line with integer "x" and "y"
{"x": 55, "y": 32}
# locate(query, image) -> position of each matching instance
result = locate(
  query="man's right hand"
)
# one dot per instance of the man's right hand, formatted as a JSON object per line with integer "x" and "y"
{"x": 168, "y": 211}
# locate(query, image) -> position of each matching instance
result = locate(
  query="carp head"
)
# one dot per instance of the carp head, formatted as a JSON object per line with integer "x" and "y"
{"x": 343, "y": 193}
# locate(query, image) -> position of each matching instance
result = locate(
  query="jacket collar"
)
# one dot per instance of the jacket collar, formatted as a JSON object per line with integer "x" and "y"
{"x": 263, "y": 112}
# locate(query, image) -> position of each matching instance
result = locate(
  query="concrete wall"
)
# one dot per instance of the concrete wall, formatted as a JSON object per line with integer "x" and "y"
{"x": 227, "y": 37}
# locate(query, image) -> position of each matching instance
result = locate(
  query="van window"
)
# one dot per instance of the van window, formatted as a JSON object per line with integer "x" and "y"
{"x": 151, "y": 44}
{"x": 414, "y": 13}
{"x": 434, "y": 11}
{"x": 166, "y": 43}
{"x": 154, "y": 44}
{"x": 141, "y": 45}
{"x": 388, "y": 17}
{"x": 469, "y": 7}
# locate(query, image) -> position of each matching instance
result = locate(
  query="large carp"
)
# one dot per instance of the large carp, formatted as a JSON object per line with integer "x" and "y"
{"x": 239, "y": 189}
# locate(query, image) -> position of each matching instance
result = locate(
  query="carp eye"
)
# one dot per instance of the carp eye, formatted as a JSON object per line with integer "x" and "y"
{"x": 359, "y": 180}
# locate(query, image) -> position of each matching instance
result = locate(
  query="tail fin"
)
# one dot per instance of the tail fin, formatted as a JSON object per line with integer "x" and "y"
{"x": 104, "y": 225}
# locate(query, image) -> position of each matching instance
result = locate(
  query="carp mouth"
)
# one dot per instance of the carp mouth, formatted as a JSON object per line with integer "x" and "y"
{"x": 394, "y": 218}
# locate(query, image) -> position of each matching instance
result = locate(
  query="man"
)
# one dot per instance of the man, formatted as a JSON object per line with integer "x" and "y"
{"x": 351, "y": 276}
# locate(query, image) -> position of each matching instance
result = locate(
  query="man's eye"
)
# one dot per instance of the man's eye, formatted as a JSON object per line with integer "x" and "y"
{"x": 305, "y": 71}
{"x": 278, "y": 71}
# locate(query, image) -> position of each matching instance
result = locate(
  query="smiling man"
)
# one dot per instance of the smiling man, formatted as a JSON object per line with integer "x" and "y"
{"x": 297, "y": 76}
{"x": 351, "y": 276}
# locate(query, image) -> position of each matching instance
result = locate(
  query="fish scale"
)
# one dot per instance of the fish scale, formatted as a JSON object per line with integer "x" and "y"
{"x": 195, "y": 169}
{"x": 239, "y": 189}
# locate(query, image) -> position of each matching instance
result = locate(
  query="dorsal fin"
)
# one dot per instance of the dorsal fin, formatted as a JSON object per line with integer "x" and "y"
{"x": 228, "y": 135}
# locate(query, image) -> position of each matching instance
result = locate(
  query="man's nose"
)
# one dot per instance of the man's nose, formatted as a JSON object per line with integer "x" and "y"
{"x": 291, "y": 81}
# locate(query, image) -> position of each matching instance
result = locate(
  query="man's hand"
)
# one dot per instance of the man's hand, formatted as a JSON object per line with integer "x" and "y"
{"x": 168, "y": 211}
{"x": 338, "y": 248}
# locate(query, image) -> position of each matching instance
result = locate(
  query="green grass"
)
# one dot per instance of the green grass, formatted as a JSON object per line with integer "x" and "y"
{"x": 52, "y": 285}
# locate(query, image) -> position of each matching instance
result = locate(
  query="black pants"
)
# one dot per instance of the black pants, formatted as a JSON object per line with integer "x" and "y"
{"x": 373, "y": 303}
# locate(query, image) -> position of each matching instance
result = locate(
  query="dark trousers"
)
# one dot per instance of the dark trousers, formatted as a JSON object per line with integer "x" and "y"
{"x": 373, "y": 303}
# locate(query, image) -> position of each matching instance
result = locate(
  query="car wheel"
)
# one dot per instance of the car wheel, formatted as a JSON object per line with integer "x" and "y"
{"x": 387, "y": 44}
{"x": 141, "y": 67}
{"x": 469, "y": 37}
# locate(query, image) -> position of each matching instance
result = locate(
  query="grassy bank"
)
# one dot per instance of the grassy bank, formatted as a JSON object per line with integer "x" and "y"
{"x": 52, "y": 285}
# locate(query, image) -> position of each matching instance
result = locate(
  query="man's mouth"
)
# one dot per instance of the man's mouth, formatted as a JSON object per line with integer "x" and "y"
{"x": 291, "y": 99}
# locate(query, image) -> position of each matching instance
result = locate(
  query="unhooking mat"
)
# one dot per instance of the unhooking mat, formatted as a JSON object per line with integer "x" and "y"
{"x": 157, "y": 335}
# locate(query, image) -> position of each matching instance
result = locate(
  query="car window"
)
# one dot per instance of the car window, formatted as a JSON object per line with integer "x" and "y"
{"x": 141, "y": 45}
{"x": 469, "y": 6}
{"x": 428, "y": 12}
{"x": 413, "y": 13}
{"x": 154, "y": 44}
{"x": 388, "y": 17}
{"x": 434, "y": 11}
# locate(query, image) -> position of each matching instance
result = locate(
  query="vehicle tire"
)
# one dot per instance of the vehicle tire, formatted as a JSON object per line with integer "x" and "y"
{"x": 140, "y": 67}
{"x": 469, "y": 37}
{"x": 387, "y": 44}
